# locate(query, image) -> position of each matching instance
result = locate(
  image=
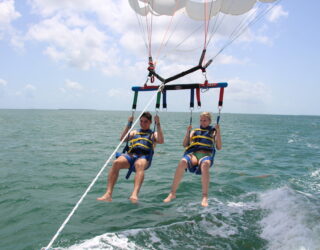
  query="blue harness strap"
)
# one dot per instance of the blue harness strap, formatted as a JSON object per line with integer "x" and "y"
{"x": 138, "y": 154}
{"x": 202, "y": 141}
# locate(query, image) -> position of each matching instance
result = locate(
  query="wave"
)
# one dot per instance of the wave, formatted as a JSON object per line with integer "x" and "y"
{"x": 281, "y": 218}
{"x": 316, "y": 173}
{"x": 211, "y": 227}
{"x": 313, "y": 146}
{"x": 105, "y": 241}
{"x": 290, "y": 222}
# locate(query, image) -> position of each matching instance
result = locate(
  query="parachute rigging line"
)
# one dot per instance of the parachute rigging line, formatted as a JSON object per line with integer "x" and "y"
{"x": 207, "y": 22}
{"x": 215, "y": 26}
{"x": 163, "y": 44}
{"x": 142, "y": 30}
{"x": 149, "y": 31}
{"x": 202, "y": 12}
{"x": 214, "y": 30}
{"x": 188, "y": 36}
{"x": 172, "y": 32}
{"x": 244, "y": 27}
{"x": 244, "y": 24}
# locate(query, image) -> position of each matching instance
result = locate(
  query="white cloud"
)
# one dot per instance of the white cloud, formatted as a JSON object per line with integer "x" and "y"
{"x": 28, "y": 91}
{"x": 229, "y": 59}
{"x": 17, "y": 41}
{"x": 83, "y": 47}
{"x": 30, "y": 87}
{"x": 7, "y": 13}
{"x": 248, "y": 92}
{"x": 63, "y": 90}
{"x": 73, "y": 85}
{"x": 118, "y": 93}
{"x": 276, "y": 13}
{"x": 113, "y": 14}
{"x": 250, "y": 36}
{"x": 3, "y": 82}
{"x": 54, "y": 53}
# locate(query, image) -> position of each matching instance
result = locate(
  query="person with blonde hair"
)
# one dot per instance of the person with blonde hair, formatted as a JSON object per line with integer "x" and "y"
{"x": 200, "y": 145}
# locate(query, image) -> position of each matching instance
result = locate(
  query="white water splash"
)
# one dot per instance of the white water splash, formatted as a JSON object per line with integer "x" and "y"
{"x": 208, "y": 223}
{"x": 108, "y": 241}
{"x": 313, "y": 146}
{"x": 316, "y": 173}
{"x": 288, "y": 225}
{"x": 293, "y": 138}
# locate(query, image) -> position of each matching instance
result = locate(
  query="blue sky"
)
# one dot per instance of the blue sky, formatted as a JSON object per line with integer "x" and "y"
{"x": 86, "y": 54}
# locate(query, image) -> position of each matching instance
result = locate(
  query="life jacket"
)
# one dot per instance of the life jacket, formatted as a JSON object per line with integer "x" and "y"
{"x": 202, "y": 139}
{"x": 141, "y": 143}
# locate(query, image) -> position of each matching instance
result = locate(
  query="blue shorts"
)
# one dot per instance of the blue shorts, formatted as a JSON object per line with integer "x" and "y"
{"x": 197, "y": 169}
{"x": 132, "y": 159}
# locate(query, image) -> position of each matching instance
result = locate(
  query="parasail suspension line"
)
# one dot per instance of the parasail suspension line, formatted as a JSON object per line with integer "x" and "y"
{"x": 142, "y": 30}
{"x": 163, "y": 43}
{"x": 242, "y": 27}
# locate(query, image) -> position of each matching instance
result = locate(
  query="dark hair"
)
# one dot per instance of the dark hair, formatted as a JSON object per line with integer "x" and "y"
{"x": 147, "y": 115}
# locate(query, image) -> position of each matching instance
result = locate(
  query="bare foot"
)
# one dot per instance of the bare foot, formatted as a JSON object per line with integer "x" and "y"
{"x": 204, "y": 201}
{"x": 133, "y": 199}
{"x": 106, "y": 197}
{"x": 169, "y": 198}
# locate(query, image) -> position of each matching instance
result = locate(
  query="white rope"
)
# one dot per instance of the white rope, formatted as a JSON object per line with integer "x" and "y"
{"x": 96, "y": 178}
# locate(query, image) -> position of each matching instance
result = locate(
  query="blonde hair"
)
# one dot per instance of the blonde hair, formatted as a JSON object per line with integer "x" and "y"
{"x": 206, "y": 114}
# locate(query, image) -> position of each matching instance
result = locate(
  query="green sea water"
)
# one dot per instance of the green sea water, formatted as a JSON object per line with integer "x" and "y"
{"x": 264, "y": 192}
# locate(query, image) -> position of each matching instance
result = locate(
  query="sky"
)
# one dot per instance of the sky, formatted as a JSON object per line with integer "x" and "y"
{"x": 87, "y": 54}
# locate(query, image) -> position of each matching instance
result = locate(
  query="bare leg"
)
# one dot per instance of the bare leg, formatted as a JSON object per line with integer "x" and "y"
{"x": 140, "y": 165}
{"x": 176, "y": 180}
{"x": 205, "y": 178}
{"x": 118, "y": 164}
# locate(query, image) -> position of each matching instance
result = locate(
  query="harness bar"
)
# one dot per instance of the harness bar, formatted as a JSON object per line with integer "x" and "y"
{"x": 181, "y": 86}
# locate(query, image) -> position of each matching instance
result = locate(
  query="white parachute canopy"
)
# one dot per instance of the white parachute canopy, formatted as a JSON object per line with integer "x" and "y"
{"x": 198, "y": 10}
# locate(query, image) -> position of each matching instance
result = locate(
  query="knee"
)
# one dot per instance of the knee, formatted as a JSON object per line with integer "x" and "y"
{"x": 117, "y": 164}
{"x": 139, "y": 167}
{"x": 183, "y": 163}
{"x": 205, "y": 166}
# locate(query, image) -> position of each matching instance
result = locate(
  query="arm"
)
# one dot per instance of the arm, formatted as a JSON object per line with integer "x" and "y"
{"x": 218, "y": 137}
{"x": 159, "y": 138}
{"x": 187, "y": 137}
{"x": 126, "y": 129}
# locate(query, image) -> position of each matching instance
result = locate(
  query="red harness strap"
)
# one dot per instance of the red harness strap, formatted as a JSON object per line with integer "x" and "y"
{"x": 198, "y": 96}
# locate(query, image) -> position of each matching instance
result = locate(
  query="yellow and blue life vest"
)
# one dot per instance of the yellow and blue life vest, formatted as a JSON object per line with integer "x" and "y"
{"x": 141, "y": 143}
{"x": 202, "y": 139}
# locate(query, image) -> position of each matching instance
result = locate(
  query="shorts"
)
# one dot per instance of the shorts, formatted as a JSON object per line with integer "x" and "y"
{"x": 132, "y": 159}
{"x": 200, "y": 157}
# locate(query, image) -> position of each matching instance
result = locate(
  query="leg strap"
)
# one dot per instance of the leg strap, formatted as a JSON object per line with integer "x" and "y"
{"x": 131, "y": 160}
{"x": 191, "y": 168}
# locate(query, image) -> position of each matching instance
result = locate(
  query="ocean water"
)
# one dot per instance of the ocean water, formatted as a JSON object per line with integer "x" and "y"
{"x": 264, "y": 191}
